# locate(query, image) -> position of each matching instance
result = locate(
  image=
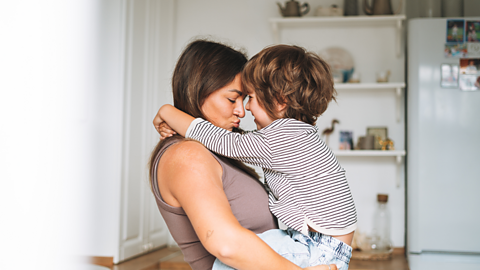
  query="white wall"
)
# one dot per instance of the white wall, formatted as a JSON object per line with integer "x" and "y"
{"x": 106, "y": 117}
{"x": 62, "y": 109}
{"x": 245, "y": 24}
{"x": 49, "y": 102}
{"x": 134, "y": 80}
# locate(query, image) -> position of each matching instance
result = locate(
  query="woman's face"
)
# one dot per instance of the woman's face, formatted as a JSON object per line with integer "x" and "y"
{"x": 224, "y": 107}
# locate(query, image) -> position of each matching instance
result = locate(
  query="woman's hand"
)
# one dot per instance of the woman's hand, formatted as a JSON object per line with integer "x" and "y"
{"x": 322, "y": 267}
{"x": 164, "y": 130}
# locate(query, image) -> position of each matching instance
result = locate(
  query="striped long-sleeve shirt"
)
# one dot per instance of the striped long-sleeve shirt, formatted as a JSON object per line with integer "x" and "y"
{"x": 307, "y": 185}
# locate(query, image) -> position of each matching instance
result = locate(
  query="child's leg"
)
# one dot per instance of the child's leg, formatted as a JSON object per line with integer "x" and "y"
{"x": 280, "y": 241}
{"x": 325, "y": 249}
{"x": 304, "y": 251}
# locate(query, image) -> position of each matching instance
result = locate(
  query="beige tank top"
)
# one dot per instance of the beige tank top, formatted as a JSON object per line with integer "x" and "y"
{"x": 248, "y": 201}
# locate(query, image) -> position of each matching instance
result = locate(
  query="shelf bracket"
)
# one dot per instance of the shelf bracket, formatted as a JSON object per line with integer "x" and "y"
{"x": 399, "y": 96}
{"x": 397, "y": 177}
{"x": 399, "y": 38}
{"x": 276, "y": 33}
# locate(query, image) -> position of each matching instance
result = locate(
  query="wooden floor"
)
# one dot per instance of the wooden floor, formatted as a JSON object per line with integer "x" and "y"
{"x": 172, "y": 259}
{"x": 397, "y": 262}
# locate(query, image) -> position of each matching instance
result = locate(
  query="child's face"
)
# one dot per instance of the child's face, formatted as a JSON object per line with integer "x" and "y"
{"x": 261, "y": 117}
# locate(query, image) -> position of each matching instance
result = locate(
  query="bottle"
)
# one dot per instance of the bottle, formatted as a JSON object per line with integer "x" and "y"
{"x": 380, "y": 241}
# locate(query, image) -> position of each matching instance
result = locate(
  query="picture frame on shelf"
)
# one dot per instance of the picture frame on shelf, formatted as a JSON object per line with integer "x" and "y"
{"x": 346, "y": 140}
{"x": 379, "y": 133}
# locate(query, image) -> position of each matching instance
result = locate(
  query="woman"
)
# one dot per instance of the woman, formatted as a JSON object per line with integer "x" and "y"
{"x": 214, "y": 207}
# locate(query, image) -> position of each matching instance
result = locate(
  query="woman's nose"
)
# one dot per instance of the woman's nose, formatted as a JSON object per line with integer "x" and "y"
{"x": 239, "y": 111}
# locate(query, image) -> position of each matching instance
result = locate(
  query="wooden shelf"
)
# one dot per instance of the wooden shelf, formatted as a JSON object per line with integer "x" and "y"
{"x": 340, "y": 21}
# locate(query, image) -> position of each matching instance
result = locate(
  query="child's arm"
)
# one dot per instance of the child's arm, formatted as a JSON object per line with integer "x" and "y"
{"x": 251, "y": 148}
{"x": 176, "y": 119}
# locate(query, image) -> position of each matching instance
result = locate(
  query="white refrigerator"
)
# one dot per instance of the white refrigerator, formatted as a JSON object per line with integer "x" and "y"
{"x": 443, "y": 163}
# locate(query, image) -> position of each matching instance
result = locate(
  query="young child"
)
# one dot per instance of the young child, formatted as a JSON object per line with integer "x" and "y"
{"x": 288, "y": 88}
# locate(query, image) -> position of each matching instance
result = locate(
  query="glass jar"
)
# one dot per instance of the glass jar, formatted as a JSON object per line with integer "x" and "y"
{"x": 380, "y": 238}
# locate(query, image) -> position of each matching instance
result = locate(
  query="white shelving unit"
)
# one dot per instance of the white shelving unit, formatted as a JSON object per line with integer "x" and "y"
{"x": 392, "y": 20}
{"x": 376, "y": 86}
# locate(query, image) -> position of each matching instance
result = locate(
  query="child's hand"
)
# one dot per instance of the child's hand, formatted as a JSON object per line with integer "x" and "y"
{"x": 157, "y": 121}
{"x": 162, "y": 128}
{"x": 170, "y": 121}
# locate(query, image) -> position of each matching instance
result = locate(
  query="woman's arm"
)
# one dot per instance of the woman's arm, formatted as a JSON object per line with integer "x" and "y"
{"x": 191, "y": 178}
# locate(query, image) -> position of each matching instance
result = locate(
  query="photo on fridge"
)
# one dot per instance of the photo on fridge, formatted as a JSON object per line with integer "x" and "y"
{"x": 469, "y": 74}
{"x": 455, "y": 30}
{"x": 473, "y": 31}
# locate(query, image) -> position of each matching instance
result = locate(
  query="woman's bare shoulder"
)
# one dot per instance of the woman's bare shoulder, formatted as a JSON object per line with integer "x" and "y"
{"x": 184, "y": 170}
{"x": 186, "y": 150}
{"x": 186, "y": 157}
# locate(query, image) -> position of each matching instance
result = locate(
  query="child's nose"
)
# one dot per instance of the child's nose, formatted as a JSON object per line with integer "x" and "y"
{"x": 239, "y": 111}
{"x": 247, "y": 106}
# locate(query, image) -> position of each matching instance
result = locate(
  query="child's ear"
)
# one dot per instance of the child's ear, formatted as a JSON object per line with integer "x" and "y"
{"x": 281, "y": 107}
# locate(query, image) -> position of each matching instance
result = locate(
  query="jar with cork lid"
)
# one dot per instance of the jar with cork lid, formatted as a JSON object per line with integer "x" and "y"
{"x": 380, "y": 238}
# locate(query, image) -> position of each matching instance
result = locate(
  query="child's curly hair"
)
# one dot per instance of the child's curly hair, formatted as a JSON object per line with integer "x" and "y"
{"x": 290, "y": 75}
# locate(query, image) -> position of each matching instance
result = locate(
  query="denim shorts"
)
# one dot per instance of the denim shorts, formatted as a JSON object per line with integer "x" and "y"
{"x": 302, "y": 250}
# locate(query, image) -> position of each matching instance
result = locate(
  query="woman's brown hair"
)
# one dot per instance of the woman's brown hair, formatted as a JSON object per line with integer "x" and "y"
{"x": 290, "y": 75}
{"x": 203, "y": 68}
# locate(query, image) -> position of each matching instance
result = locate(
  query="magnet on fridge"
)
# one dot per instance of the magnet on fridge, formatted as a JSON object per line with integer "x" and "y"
{"x": 449, "y": 73}
{"x": 457, "y": 50}
{"x": 473, "y": 49}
